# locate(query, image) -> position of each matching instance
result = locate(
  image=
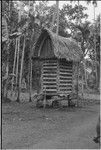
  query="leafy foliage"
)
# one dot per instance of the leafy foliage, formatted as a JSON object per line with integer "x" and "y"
{"x": 68, "y": 19}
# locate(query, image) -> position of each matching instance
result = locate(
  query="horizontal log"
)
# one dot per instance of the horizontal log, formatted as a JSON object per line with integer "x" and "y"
{"x": 49, "y": 68}
{"x": 65, "y": 89}
{"x": 65, "y": 92}
{"x": 65, "y": 67}
{"x": 49, "y": 65}
{"x": 65, "y": 82}
{"x": 50, "y": 90}
{"x": 65, "y": 75}
{"x": 49, "y": 72}
{"x": 49, "y": 83}
{"x": 65, "y": 70}
{"x": 50, "y": 87}
{"x": 50, "y": 80}
{"x": 67, "y": 85}
{"x": 66, "y": 78}
{"x": 49, "y": 76}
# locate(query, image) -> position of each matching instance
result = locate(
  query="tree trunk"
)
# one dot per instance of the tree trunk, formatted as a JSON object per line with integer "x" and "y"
{"x": 20, "y": 78}
{"x": 77, "y": 83}
{"x": 57, "y": 4}
{"x": 17, "y": 73}
{"x": 53, "y": 19}
{"x": 14, "y": 67}
{"x": 7, "y": 70}
{"x": 30, "y": 69}
{"x": 5, "y": 91}
{"x": 30, "y": 79}
{"x": 95, "y": 47}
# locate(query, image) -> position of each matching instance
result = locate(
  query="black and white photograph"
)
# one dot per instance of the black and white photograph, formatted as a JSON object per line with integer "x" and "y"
{"x": 50, "y": 74}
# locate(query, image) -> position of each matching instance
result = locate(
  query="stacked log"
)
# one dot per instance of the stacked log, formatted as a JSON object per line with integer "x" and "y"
{"x": 49, "y": 77}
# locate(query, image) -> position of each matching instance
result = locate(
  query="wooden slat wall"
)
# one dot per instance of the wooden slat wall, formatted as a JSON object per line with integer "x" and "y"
{"x": 65, "y": 77}
{"x": 56, "y": 77}
{"x": 49, "y": 77}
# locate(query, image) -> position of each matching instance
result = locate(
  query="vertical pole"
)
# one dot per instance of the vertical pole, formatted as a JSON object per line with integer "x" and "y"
{"x": 7, "y": 69}
{"x": 30, "y": 66}
{"x": 53, "y": 19}
{"x": 77, "y": 82}
{"x": 20, "y": 78}
{"x": 95, "y": 45}
{"x": 100, "y": 56}
{"x": 30, "y": 75}
{"x": 14, "y": 65}
{"x": 57, "y": 4}
{"x": 17, "y": 72}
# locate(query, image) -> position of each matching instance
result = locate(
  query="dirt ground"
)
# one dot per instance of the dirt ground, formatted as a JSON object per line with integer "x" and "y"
{"x": 26, "y": 127}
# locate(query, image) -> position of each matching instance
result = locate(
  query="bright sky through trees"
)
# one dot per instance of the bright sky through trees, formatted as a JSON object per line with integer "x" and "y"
{"x": 90, "y": 7}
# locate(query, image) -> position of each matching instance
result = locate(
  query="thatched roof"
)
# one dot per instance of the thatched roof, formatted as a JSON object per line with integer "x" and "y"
{"x": 62, "y": 47}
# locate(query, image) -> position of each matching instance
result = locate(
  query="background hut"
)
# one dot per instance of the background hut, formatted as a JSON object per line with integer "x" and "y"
{"x": 58, "y": 57}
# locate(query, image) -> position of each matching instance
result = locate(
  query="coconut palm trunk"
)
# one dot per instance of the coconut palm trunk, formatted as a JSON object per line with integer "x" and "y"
{"x": 54, "y": 16}
{"x": 7, "y": 70}
{"x": 14, "y": 66}
{"x": 78, "y": 22}
{"x": 17, "y": 67}
{"x": 20, "y": 78}
{"x": 95, "y": 47}
{"x": 57, "y": 9}
{"x": 30, "y": 70}
{"x": 30, "y": 65}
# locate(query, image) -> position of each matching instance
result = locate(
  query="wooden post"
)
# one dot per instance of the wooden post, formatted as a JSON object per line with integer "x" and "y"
{"x": 44, "y": 102}
{"x": 58, "y": 77}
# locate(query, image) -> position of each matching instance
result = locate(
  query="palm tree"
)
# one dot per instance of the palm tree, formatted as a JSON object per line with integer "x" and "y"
{"x": 6, "y": 38}
{"x": 57, "y": 9}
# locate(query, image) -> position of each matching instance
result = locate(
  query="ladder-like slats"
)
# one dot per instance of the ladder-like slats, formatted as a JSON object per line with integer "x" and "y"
{"x": 65, "y": 89}
{"x": 56, "y": 79}
{"x": 49, "y": 76}
{"x": 65, "y": 78}
{"x": 65, "y": 82}
{"x": 51, "y": 88}
{"x": 65, "y": 75}
{"x": 50, "y": 83}
{"x": 65, "y": 85}
{"x": 65, "y": 67}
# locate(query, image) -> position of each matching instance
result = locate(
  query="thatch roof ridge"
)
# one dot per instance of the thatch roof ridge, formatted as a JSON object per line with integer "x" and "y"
{"x": 63, "y": 47}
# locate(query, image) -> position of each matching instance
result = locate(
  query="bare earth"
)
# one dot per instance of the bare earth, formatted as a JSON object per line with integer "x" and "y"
{"x": 25, "y": 126}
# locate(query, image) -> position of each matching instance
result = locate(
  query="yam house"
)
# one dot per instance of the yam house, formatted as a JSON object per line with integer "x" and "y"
{"x": 58, "y": 58}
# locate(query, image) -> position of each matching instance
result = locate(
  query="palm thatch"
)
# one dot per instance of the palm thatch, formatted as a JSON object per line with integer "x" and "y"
{"x": 63, "y": 48}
